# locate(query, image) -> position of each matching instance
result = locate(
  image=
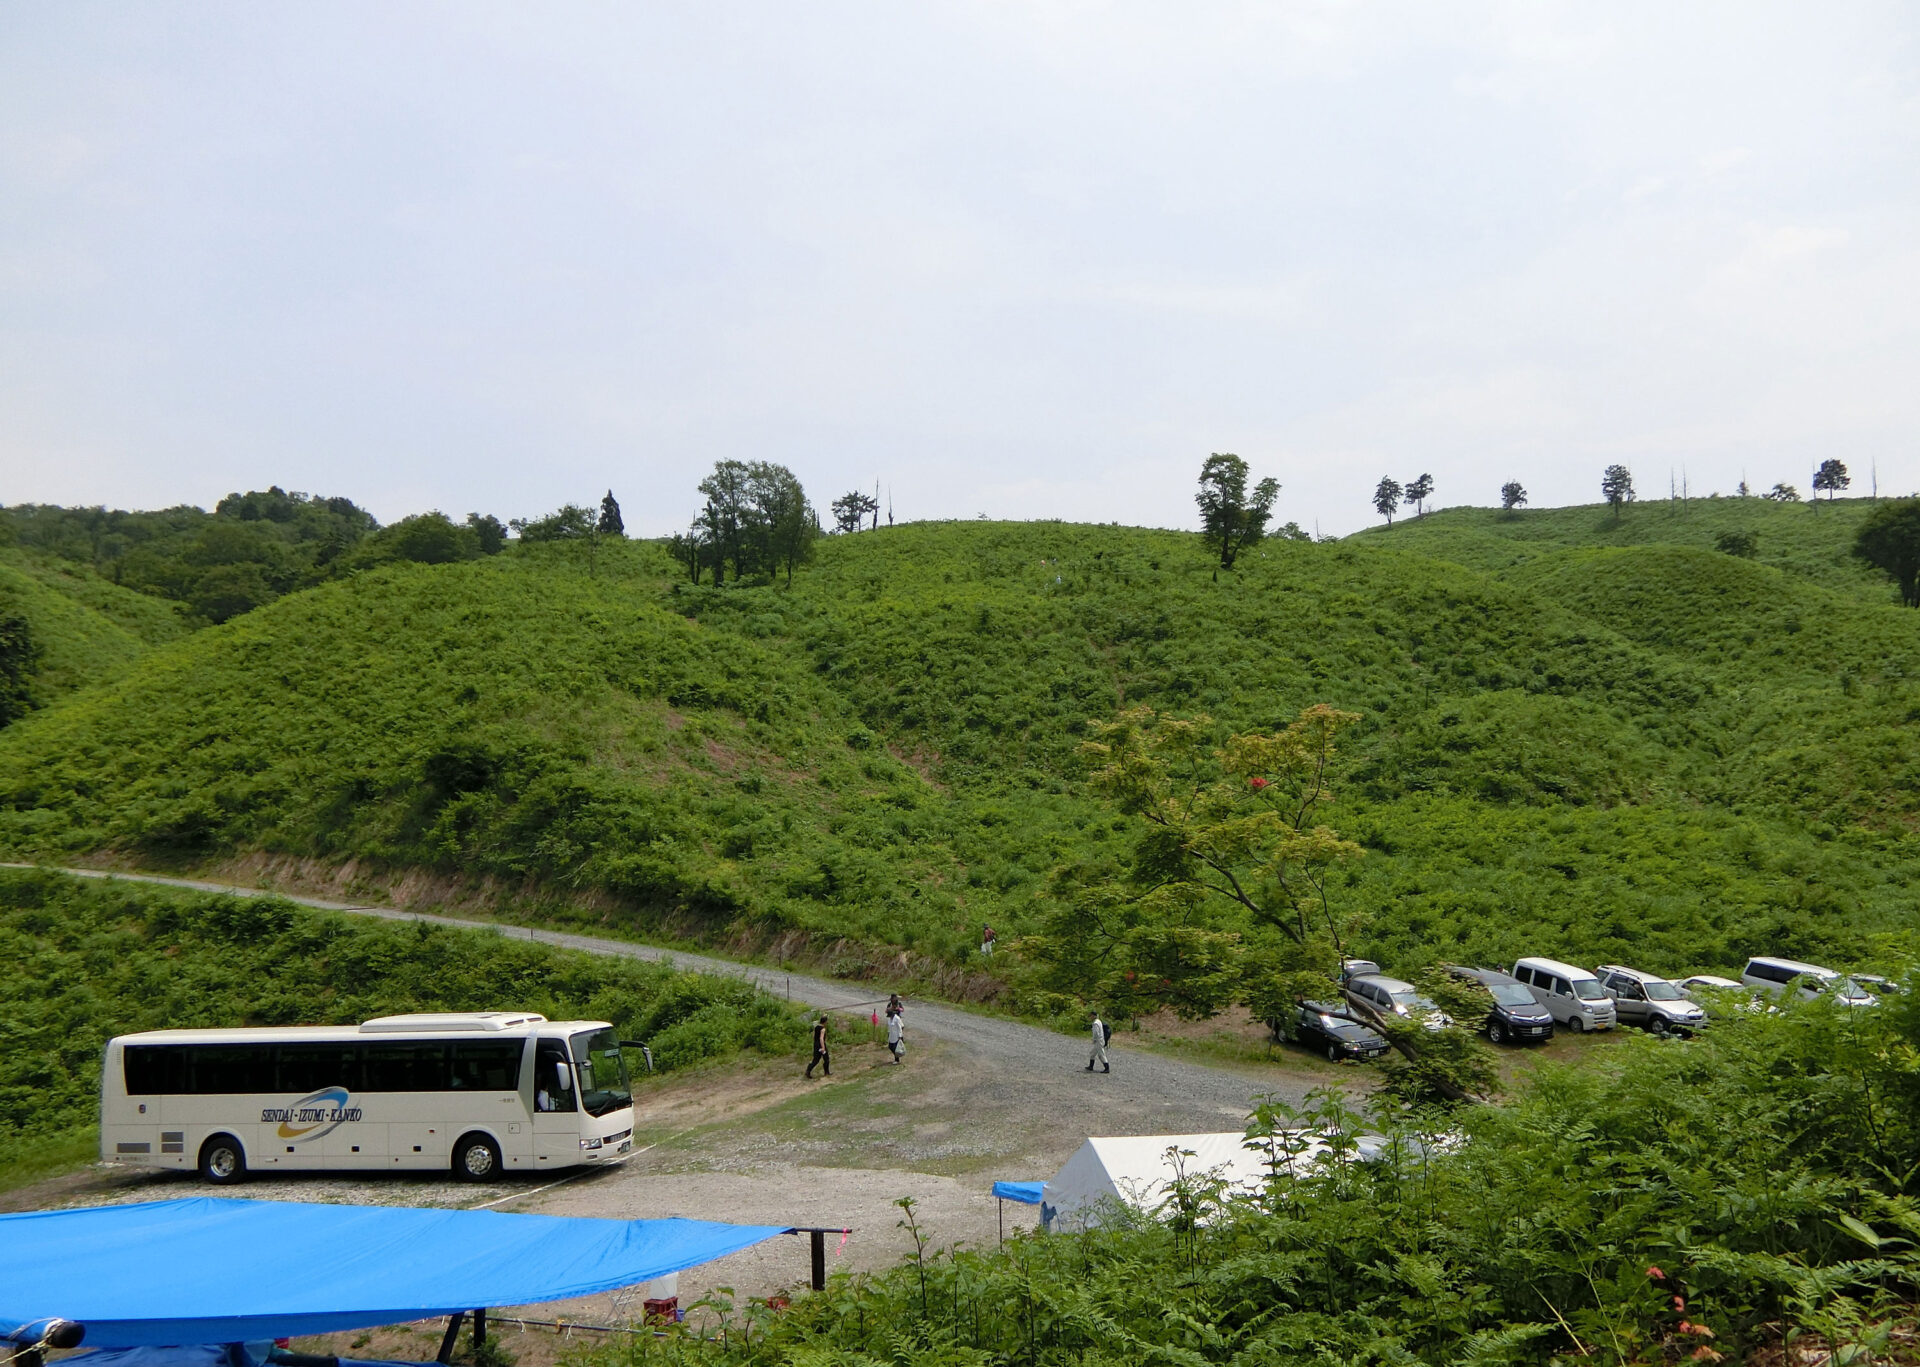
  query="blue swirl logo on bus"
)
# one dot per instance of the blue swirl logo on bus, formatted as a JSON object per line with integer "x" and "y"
{"x": 312, "y": 1117}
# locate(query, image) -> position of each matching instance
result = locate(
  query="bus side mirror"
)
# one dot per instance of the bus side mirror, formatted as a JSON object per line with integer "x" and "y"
{"x": 563, "y": 1077}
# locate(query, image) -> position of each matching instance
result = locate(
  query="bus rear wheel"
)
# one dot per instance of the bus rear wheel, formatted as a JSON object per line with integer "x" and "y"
{"x": 222, "y": 1160}
{"x": 476, "y": 1158}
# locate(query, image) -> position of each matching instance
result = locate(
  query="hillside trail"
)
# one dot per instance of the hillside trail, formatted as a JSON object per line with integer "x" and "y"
{"x": 1017, "y": 1066}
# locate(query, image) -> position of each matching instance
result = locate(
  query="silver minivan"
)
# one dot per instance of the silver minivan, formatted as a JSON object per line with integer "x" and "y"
{"x": 1805, "y": 980}
{"x": 1572, "y": 996}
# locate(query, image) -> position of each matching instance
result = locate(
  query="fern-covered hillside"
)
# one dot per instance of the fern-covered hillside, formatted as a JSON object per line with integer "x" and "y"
{"x": 84, "y": 629}
{"x": 1657, "y": 753}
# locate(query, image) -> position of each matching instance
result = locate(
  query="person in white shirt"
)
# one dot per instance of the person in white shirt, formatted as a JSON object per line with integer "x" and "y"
{"x": 1100, "y": 1037}
{"x": 896, "y": 1041}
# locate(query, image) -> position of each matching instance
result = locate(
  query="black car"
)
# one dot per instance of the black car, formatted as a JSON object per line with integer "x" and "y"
{"x": 1334, "y": 1033}
{"x": 1514, "y": 1015}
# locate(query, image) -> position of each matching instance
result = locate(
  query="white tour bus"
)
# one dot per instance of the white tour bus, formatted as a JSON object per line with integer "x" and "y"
{"x": 475, "y": 1092}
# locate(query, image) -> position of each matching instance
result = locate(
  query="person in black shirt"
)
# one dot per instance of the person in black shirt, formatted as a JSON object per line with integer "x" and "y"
{"x": 821, "y": 1059}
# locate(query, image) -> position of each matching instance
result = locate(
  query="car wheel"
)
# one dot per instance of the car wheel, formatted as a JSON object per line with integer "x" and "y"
{"x": 476, "y": 1159}
{"x": 1496, "y": 1032}
{"x": 222, "y": 1160}
{"x": 1573, "y": 1024}
{"x": 1658, "y": 1026}
{"x": 1335, "y": 1053}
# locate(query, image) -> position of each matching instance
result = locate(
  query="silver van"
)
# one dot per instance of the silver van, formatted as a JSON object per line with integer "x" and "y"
{"x": 1393, "y": 997}
{"x": 1572, "y": 996}
{"x": 1806, "y": 980}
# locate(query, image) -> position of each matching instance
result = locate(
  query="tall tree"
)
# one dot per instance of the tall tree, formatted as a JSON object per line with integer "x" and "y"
{"x": 1416, "y": 494}
{"x": 1229, "y": 516}
{"x": 1512, "y": 495}
{"x": 1830, "y": 478}
{"x": 489, "y": 532}
{"x": 785, "y": 523}
{"x": 610, "y": 523}
{"x": 1889, "y": 540}
{"x": 850, "y": 510}
{"x": 728, "y": 516}
{"x": 1782, "y": 493}
{"x": 1616, "y": 487}
{"x": 1386, "y": 497}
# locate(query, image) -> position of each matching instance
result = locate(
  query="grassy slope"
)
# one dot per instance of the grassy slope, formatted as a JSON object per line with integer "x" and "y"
{"x": 1550, "y": 759}
{"x": 89, "y": 629}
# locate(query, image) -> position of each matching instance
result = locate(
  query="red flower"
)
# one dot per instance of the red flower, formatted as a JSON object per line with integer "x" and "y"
{"x": 1256, "y": 783}
{"x": 1656, "y": 1274}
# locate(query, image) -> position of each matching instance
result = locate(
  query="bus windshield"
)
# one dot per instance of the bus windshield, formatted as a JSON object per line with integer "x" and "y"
{"x": 604, "y": 1085}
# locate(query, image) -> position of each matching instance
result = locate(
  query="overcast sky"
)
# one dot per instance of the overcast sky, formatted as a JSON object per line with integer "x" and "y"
{"x": 1021, "y": 260}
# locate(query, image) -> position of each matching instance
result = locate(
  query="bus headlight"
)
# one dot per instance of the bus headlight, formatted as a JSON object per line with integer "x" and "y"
{"x": 590, "y": 1143}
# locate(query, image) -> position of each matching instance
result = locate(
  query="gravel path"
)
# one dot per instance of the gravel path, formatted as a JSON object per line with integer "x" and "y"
{"x": 1020, "y": 1066}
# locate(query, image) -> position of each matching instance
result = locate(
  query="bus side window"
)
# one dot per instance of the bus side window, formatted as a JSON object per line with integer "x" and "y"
{"x": 550, "y": 1061}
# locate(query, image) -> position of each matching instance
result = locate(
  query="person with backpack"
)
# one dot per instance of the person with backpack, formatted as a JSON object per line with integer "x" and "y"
{"x": 821, "y": 1058}
{"x": 1101, "y": 1034}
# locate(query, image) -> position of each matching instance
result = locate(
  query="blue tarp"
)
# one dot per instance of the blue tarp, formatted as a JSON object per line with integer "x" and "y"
{"x": 1026, "y": 1193}
{"x": 207, "y": 1270}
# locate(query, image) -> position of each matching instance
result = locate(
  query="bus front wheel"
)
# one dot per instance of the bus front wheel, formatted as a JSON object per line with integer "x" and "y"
{"x": 476, "y": 1158}
{"x": 222, "y": 1160}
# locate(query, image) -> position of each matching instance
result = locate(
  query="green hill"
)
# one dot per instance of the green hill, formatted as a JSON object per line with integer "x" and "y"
{"x": 88, "y": 630}
{"x": 1652, "y": 752}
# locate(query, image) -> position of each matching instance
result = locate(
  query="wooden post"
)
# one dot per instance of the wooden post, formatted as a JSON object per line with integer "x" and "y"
{"x": 447, "y": 1340}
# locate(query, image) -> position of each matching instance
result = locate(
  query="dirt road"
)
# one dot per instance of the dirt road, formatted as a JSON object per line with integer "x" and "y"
{"x": 979, "y": 1099}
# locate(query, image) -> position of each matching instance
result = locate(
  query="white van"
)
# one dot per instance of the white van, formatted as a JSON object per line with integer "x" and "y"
{"x": 1806, "y": 980}
{"x": 1572, "y": 996}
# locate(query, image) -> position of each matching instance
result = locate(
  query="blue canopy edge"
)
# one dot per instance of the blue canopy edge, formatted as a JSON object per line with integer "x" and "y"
{"x": 1026, "y": 1193}
{"x": 212, "y": 1270}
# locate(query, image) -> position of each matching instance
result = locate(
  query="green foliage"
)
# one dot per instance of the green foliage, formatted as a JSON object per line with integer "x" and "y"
{"x": 1745, "y": 545}
{"x": 1230, "y": 517}
{"x": 251, "y": 549}
{"x": 1654, "y": 754}
{"x": 71, "y": 628}
{"x": 90, "y": 960}
{"x": 1889, "y": 540}
{"x": 1680, "y": 1196}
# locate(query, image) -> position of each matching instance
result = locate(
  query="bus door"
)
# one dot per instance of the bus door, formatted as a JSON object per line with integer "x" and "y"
{"x": 556, "y": 1105}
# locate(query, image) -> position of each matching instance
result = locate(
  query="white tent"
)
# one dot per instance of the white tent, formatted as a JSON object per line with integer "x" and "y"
{"x": 1138, "y": 1171}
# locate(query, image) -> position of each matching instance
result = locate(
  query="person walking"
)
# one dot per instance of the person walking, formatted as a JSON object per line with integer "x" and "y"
{"x": 986, "y": 940}
{"x": 896, "y": 1031}
{"x": 821, "y": 1058}
{"x": 1100, "y": 1037}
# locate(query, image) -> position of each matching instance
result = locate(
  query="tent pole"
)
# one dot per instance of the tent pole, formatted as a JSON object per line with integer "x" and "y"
{"x": 819, "y": 1259}
{"x": 453, "y": 1333}
{"x": 479, "y": 1330}
{"x": 1002, "y": 1205}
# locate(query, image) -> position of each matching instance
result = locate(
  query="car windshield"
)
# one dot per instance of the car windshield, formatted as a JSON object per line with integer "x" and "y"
{"x": 604, "y": 1084}
{"x": 1846, "y": 987}
{"x": 1345, "y": 1029}
{"x": 1511, "y": 994}
{"x": 1587, "y": 990}
{"x": 1413, "y": 1001}
{"x": 1662, "y": 991}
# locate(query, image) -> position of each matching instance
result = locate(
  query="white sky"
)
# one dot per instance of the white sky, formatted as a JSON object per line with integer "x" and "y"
{"x": 1030, "y": 261}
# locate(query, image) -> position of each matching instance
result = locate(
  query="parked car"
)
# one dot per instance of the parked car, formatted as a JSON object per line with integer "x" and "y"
{"x": 1806, "y": 980}
{"x": 1573, "y": 996}
{"x": 1393, "y": 997}
{"x": 1513, "y": 1013}
{"x": 1353, "y": 968}
{"x": 1713, "y": 993}
{"x": 1649, "y": 1001}
{"x": 1328, "y": 1028}
{"x": 1876, "y": 984}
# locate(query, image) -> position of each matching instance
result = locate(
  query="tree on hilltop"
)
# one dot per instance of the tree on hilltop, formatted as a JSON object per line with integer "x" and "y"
{"x": 1416, "y": 493}
{"x": 1889, "y": 540}
{"x": 1782, "y": 493}
{"x": 1616, "y": 487}
{"x": 851, "y": 510}
{"x": 1386, "y": 497}
{"x": 1229, "y": 516}
{"x": 610, "y": 523}
{"x": 1830, "y": 478}
{"x": 1512, "y": 495}
{"x": 489, "y": 532}
{"x": 568, "y": 522}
